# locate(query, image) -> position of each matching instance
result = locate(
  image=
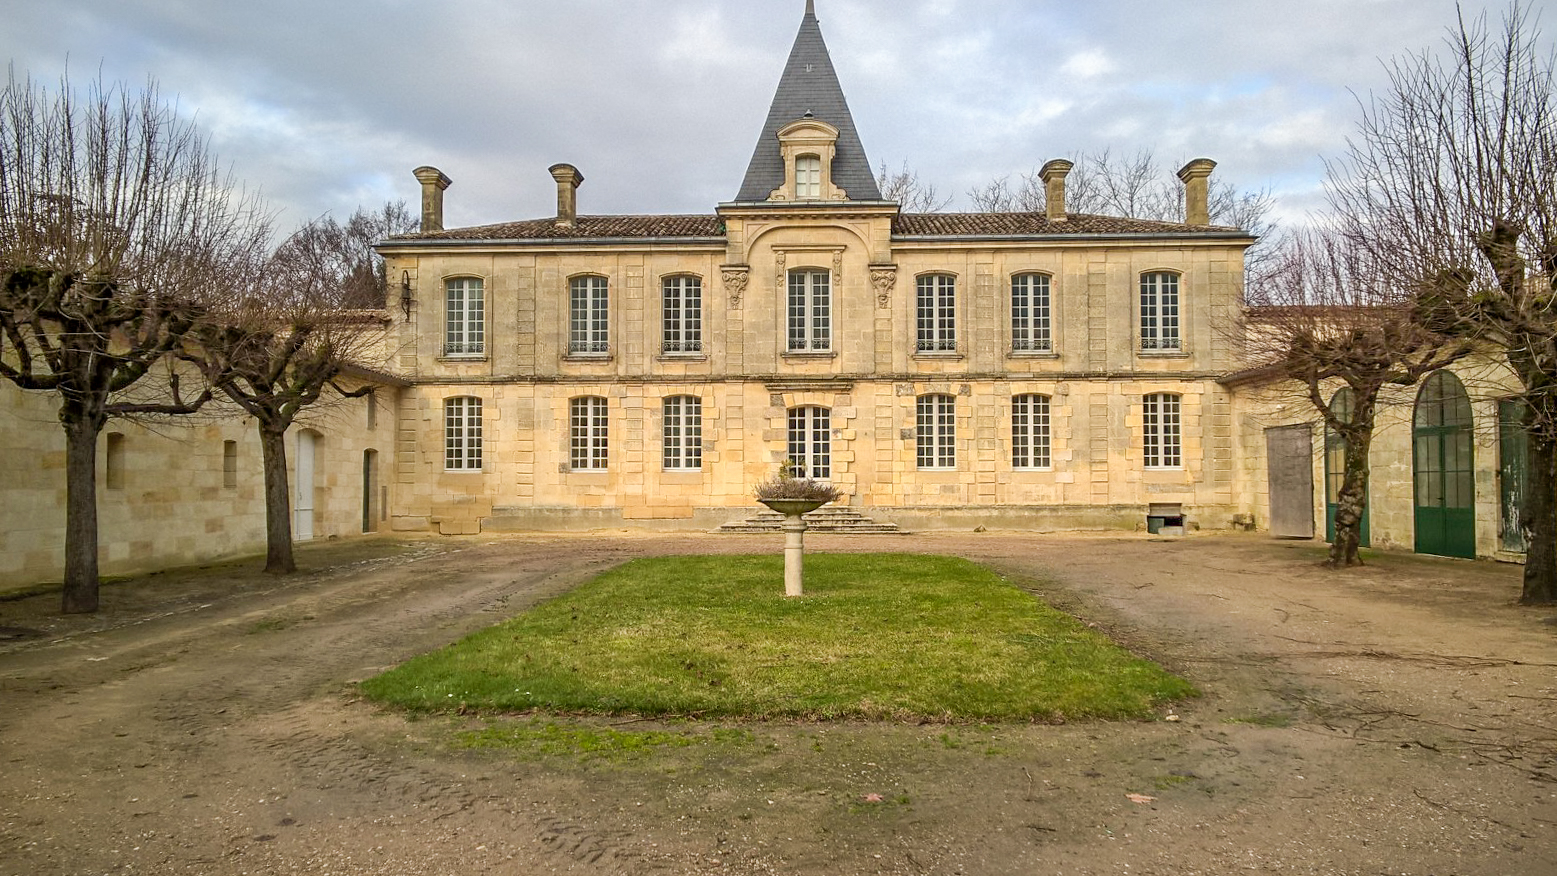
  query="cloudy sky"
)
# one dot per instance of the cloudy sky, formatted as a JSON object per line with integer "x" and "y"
{"x": 328, "y": 104}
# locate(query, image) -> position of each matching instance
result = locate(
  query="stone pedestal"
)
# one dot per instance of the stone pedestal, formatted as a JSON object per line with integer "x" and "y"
{"x": 794, "y": 527}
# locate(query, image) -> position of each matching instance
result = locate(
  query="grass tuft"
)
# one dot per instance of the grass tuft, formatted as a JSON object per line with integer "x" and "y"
{"x": 878, "y": 636}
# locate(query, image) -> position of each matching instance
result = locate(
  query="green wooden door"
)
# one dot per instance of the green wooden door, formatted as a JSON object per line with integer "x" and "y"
{"x": 1342, "y": 405}
{"x": 1512, "y": 446}
{"x": 1444, "y": 466}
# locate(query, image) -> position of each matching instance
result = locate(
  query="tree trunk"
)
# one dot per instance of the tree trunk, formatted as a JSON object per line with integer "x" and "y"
{"x": 1538, "y": 519}
{"x": 278, "y": 503}
{"x": 1350, "y": 503}
{"x": 80, "y": 596}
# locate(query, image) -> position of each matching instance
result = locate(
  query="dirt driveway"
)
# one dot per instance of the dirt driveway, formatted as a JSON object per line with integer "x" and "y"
{"x": 1398, "y": 719}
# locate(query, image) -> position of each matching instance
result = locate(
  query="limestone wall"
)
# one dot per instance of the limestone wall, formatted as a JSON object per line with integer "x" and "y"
{"x": 171, "y": 493}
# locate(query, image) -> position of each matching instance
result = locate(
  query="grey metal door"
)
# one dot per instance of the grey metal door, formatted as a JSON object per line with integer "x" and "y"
{"x": 1289, "y": 460}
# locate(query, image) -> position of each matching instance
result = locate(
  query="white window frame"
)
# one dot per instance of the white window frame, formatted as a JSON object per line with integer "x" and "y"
{"x": 808, "y": 177}
{"x": 589, "y": 433}
{"x": 809, "y": 309}
{"x": 589, "y": 315}
{"x": 1162, "y": 430}
{"x": 681, "y": 429}
{"x": 935, "y": 313}
{"x": 935, "y": 432}
{"x": 1160, "y": 309}
{"x": 464, "y": 317}
{"x": 809, "y": 442}
{"x": 681, "y": 314}
{"x": 1031, "y": 313}
{"x": 462, "y": 436}
{"x": 1030, "y": 432}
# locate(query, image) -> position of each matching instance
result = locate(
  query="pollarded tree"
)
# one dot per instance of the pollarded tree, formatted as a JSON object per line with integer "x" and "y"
{"x": 1449, "y": 183}
{"x": 1326, "y": 314}
{"x": 279, "y": 351}
{"x": 116, "y": 229}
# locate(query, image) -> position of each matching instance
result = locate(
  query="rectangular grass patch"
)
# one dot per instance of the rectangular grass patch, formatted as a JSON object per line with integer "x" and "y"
{"x": 877, "y": 636}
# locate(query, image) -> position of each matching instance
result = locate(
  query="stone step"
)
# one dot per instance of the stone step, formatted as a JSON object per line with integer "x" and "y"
{"x": 844, "y": 521}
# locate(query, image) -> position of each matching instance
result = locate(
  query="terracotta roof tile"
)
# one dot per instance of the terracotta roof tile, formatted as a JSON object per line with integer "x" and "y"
{"x": 1002, "y": 224}
{"x": 586, "y": 227}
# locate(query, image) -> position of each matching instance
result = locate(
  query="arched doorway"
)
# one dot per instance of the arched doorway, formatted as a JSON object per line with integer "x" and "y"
{"x": 1443, "y": 465}
{"x": 303, "y": 494}
{"x": 1343, "y": 404}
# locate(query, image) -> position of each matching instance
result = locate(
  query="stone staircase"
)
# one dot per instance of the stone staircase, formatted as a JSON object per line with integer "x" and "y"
{"x": 844, "y": 521}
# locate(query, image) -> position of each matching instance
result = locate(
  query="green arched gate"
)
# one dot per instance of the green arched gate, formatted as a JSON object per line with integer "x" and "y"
{"x": 1444, "y": 466}
{"x": 1342, "y": 404}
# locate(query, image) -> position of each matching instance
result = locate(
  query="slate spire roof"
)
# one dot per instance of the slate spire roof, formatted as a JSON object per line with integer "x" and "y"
{"x": 809, "y": 84}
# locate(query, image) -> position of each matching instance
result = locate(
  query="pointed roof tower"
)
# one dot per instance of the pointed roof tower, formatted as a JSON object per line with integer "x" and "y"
{"x": 809, "y": 89}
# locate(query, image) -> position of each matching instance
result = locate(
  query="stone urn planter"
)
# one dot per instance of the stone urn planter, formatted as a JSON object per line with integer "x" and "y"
{"x": 794, "y": 526}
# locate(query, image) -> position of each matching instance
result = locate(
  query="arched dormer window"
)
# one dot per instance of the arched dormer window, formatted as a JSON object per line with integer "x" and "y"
{"x": 808, "y": 146}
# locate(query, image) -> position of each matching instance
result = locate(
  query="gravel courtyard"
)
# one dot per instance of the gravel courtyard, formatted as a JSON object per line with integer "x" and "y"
{"x": 1395, "y": 719}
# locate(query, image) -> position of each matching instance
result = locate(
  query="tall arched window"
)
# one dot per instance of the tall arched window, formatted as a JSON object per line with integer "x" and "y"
{"x": 682, "y": 432}
{"x": 810, "y": 443}
{"x": 936, "y": 432}
{"x": 681, "y": 314}
{"x": 1162, "y": 430}
{"x": 589, "y": 433}
{"x": 936, "y": 313}
{"x": 1160, "y": 311}
{"x": 589, "y": 326}
{"x": 462, "y": 433}
{"x": 1029, "y": 431}
{"x": 1030, "y": 328}
{"x": 464, "y": 317}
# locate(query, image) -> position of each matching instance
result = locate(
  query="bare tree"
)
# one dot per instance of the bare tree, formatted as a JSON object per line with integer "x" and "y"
{"x": 912, "y": 195}
{"x": 1326, "y": 314}
{"x": 278, "y": 352}
{"x": 1449, "y": 183}
{"x": 116, "y": 227}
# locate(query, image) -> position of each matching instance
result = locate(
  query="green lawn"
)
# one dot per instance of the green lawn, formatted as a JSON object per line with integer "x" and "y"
{"x": 877, "y": 636}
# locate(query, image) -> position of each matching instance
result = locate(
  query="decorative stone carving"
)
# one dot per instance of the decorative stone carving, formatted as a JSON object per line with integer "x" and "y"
{"x": 883, "y": 278}
{"x": 735, "y": 277}
{"x": 778, "y": 270}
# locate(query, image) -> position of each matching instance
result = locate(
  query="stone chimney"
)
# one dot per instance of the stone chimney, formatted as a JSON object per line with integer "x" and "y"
{"x": 1053, "y": 176}
{"x": 433, "y": 183}
{"x": 1197, "y": 187}
{"x": 568, "y": 179}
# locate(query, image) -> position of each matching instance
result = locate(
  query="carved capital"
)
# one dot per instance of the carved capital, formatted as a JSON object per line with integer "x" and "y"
{"x": 735, "y": 277}
{"x": 883, "y": 278}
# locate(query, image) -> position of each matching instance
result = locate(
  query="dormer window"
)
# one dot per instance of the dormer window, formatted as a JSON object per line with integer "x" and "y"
{"x": 808, "y": 177}
{"x": 808, "y": 146}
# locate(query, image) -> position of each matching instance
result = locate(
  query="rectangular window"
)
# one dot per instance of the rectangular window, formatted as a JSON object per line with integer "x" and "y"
{"x": 810, "y": 442}
{"x": 936, "y": 435}
{"x": 682, "y": 314}
{"x": 1030, "y": 431}
{"x": 464, "y": 317}
{"x": 1161, "y": 431}
{"x": 808, "y": 176}
{"x": 230, "y": 463}
{"x": 683, "y": 433}
{"x": 588, "y": 320}
{"x": 1030, "y": 313}
{"x": 810, "y": 311}
{"x": 462, "y": 434}
{"x": 1160, "y": 311}
{"x": 588, "y": 429}
{"x": 937, "y": 313}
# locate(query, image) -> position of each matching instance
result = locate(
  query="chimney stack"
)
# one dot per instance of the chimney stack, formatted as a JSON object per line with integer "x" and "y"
{"x": 1196, "y": 176}
{"x": 568, "y": 179}
{"x": 1053, "y": 175}
{"x": 433, "y": 183}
